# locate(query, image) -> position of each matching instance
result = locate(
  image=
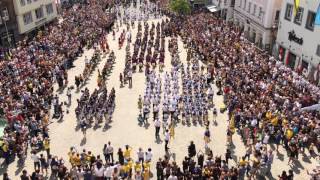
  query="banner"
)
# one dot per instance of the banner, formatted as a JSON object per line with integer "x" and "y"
{"x": 317, "y": 21}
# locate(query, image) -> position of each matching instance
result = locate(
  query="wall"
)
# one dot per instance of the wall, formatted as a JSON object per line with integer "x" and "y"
{"x": 11, "y": 24}
{"x": 259, "y": 25}
{"x": 311, "y": 39}
{"x": 21, "y": 10}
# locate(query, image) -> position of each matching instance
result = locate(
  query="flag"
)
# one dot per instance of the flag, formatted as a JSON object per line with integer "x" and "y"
{"x": 317, "y": 21}
{"x": 296, "y": 6}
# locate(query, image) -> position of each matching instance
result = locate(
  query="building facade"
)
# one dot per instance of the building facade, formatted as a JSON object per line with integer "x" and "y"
{"x": 225, "y": 8}
{"x": 298, "y": 39}
{"x": 8, "y": 24}
{"x": 259, "y": 20}
{"x": 199, "y": 3}
{"x": 31, "y": 14}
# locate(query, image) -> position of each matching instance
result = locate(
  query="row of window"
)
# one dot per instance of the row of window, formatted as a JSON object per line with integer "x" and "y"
{"x": 24, "y": 2}
{"x": 311, "y": 16}
{"x": 251, "y": 9}
{"x": 27, "y": 17}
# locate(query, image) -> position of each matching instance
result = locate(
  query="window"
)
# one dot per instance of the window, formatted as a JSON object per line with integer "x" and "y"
{"x": 0, "y": 21}
{"x": 260, "y": 12}
{"x": 318, "y": 50}
{"x": 298, "y": 17}
{"x": 310, "y": 20}
{"x": 22, "y": 2}
{"x": 49, "y": 8}
{"x": 288, "y": 13}
{"x": 277, "y": 16}
{"x": 240, "y": 5}
{"x": 27, "y": 18}
{"x": 5, "y": 14}
{"x": 249, "y": 8}
{"x": 225, "y": 2}
{"x": 245, "y": 4}
{"x": 254, "y": 9}
{"x": 39, "y": 12}
{"x": 233, "y": 2}
{"x": 29, "y": 1}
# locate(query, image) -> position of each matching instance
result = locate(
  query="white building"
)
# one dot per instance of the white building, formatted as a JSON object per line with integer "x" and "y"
{"x": 34, "y": 13}
{"x": 225, "y": 8}
{"x": 259, "y": 19}
{"x": 298, "y": 40}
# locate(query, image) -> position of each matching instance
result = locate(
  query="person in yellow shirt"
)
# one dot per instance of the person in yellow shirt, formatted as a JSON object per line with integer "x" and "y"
{"x": 127, "y": 152}
{"x": 146, "y": 174}
{"x": 46, "y": 146}
{"x": 77, "y": 160}
{"x": 6, "y": 154}
{"x": 243, "y": 162}
{"x": 171, "y": 131}
{"x": 129, "y": 166}
{"x": 70, "y": 155}
{"x": 46, "y": 119}
{"x": 146, "y": 165}
{"x": 206, "y": 172}
{"x": 137, "y": 166}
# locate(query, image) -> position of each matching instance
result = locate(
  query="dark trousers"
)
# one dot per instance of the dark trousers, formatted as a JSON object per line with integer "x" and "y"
{"x": 109, "y": 157}
{"x": 166, "y": 145}
{"x": 157, "y": 132}
{"x": 36, "y": 165}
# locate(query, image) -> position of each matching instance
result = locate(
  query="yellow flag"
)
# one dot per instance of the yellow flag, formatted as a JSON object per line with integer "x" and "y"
{"x": 296, "y": 6}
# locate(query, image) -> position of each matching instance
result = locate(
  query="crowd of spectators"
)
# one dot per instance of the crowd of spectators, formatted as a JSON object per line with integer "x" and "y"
{"x": 29, "y": 70}
{"x": 264, "y": 98}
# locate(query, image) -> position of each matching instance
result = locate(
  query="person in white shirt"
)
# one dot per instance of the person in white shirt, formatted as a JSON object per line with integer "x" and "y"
{"x": 108, "y": 172}
{"x": 98, "y": 171}
{"x": 140, "y": 154}
{"x": 36, "y": 161}
{"x": 172, "y": 177}
{"x": 157, "y": 125}
{"x": 109, "y": 150}
{"x": 149, "y": 155}
{"x": 86, "y": 60}
{"x": 166, "y": 140}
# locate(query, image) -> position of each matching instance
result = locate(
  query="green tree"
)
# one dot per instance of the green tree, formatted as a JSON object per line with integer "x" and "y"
{"x": 180, "y": 6}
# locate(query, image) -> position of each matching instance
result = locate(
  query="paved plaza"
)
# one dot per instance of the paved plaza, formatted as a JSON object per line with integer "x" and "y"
{"x": 125, "y": 129}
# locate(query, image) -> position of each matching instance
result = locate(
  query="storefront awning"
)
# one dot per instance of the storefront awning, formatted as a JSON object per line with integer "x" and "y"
{"x": 213, "y": 8}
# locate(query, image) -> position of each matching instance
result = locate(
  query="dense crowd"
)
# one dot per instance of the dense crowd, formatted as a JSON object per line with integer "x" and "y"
{"x": 263, "y": 97}
{"x": 29, "y": 70}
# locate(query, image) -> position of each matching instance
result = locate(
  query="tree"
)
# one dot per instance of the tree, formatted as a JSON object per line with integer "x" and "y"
{"x": 180, "y": 6}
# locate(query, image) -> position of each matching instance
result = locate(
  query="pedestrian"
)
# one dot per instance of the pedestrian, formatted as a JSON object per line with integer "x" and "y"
{"x": 44, "y": 164}
{"x": 130, "y": 78}
{"x": 157, "y": 125}
{"x": 149, "y": 155}
{"x": 120, "y": 156}
{"x": 166, "y": 140}
{"x": 36, "y": 160}
{"x": 6, "y": 176}
{"x": 83, "y": 126}
{"x": 110, "y": 153}
{"x": 192, "y": 150}
{"x": 121, "y": 80}
{"x": 69, "y": 96}
{"x": 140, "y": 154}
{"x": 25, "y": 175}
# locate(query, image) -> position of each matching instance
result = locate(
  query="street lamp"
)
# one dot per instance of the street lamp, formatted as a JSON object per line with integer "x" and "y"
{"x": 5, "y": 19}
